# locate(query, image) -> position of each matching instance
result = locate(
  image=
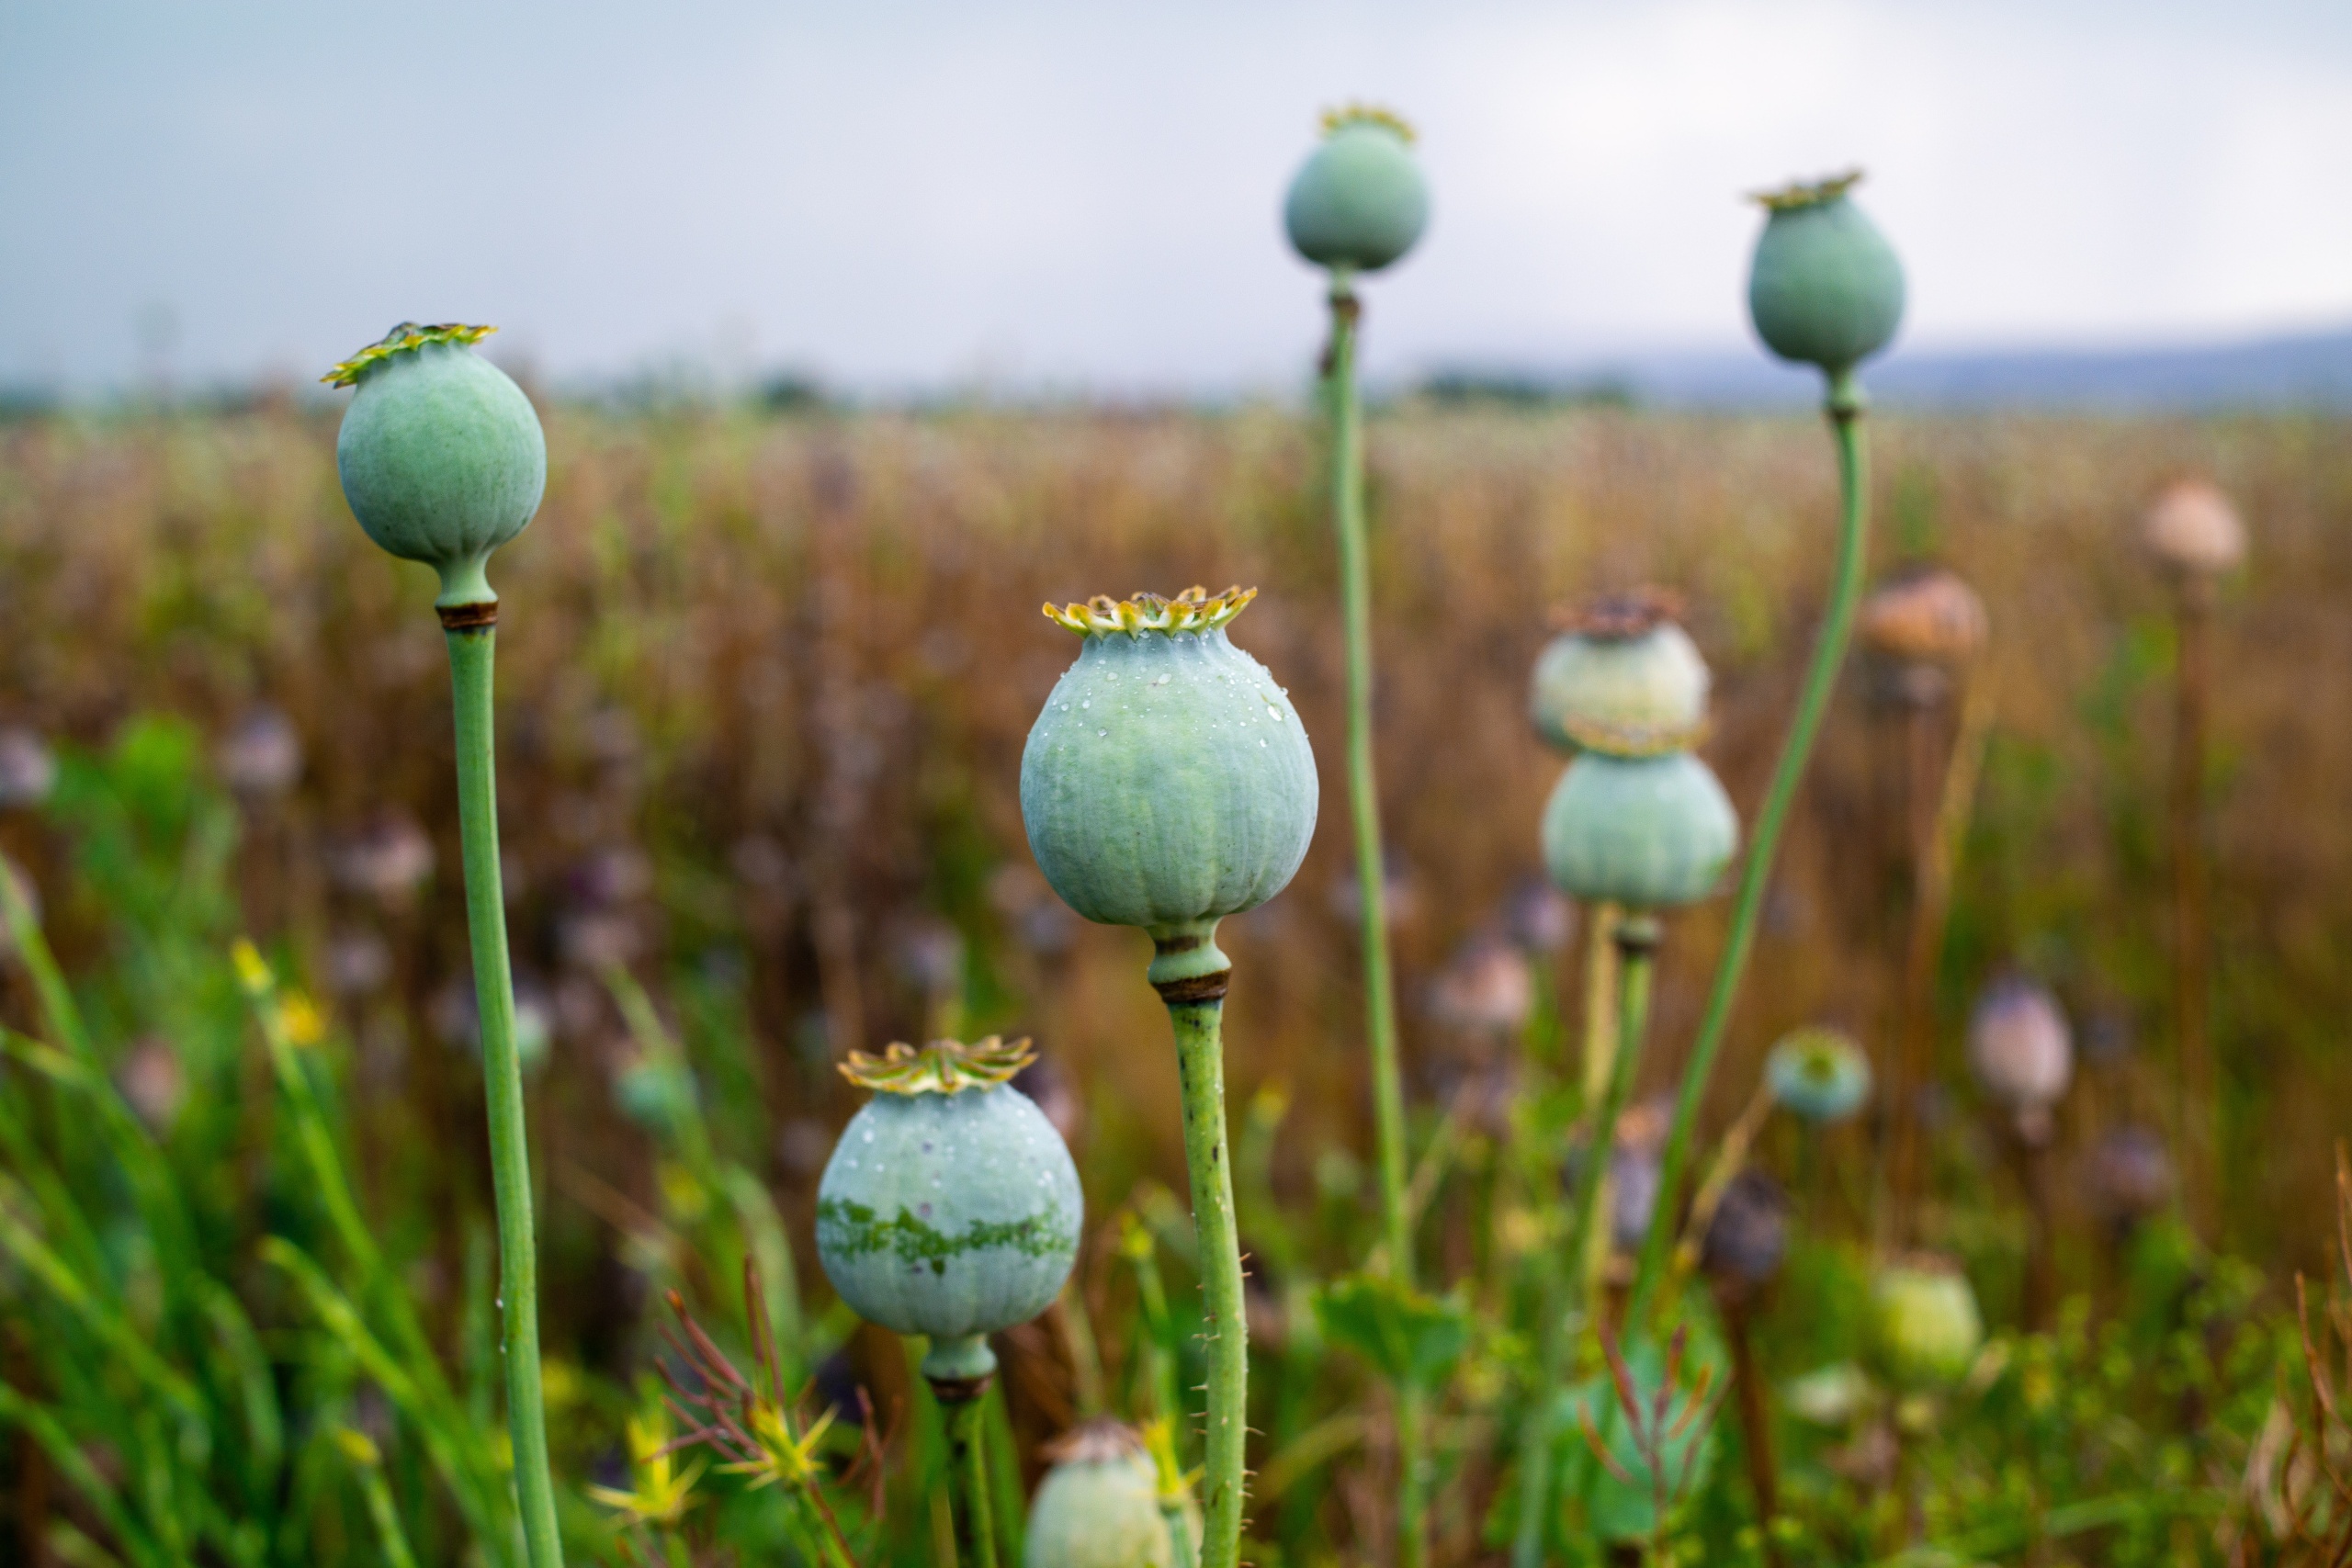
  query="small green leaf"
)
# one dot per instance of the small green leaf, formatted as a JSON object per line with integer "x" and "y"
{"x": 1409, "y": 1337}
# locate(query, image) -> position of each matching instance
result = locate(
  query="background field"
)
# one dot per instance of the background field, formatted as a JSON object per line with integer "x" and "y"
{"x": 764, "y": 684}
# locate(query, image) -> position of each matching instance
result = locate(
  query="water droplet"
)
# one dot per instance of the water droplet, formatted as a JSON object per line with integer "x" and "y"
{"x": 1086, "y": 703}
{"x": 1163, "y": 681}
{"x": 1274, "y": 713}
{"x": 1102, "y": 734}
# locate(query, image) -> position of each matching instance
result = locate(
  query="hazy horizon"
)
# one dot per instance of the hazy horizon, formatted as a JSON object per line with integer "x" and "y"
{"x": 1048, "y": 196}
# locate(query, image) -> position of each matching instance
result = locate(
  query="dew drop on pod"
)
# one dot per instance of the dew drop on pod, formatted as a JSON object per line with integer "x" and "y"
{"x": 1622, "y": 678}
{"x": 1099, "y": 1506}
{"x": 1359, "y": 202}
{"x": 950, "y": 1207}
{"x": 1928, "y": 1329}
{"x": 1824, "y": 287}
{"x": 441, "y": 455}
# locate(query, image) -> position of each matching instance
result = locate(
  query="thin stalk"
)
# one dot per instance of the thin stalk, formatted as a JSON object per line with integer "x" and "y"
{"x": 967, "y": 1468}
{"x": 1600, "y": 1052}
{"x": 1364, "y": 799}
{"x": 473, "y": 645}
{"x": 1755, "y": 1415}
{"x": 2197, "y": 1108}
{"x": 1364, "y": 795}
{"x": 1569, "y": 1297}
{"x": 1845, "y": 412}
{"x": 1191, "y": 975}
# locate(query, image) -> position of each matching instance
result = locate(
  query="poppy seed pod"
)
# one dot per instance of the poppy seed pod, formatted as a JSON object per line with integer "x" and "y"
{"x": 1926, "y": 617}
{"x": 1359, "y": 202}
{"x": 1621, "y": 677}
{"x": 2019, "y": 1046}
{"x": 1646, "y": 832}
{"x": 2194, "y": 530}
{"x": 1928, "y": 1329}
{"x": 1825, "y": 287}
{"x": 441, "y": 455}
{"x": 950, "y": 1207}
{"x": 1818, "y": 1075}
{"x": 1169, "y": 780}
{"x": 1749, "y": 1235}
{"x": 1099, "y": 1507}
{"x": 2130, "y": 1174}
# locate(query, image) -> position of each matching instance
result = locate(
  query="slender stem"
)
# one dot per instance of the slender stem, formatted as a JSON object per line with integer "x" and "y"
{"x": 1364, "y": 795}
{"x": 473, "y": 645}
{"x": 1755, "y": 1415}
{"x": 1568, "y": 1298}
{"x": 1363, "y": 798}
{"x": 1845, "y": 410}
{"x": 1599, "y": 1051}
{"x": 967, "y": 1465}
{"x": 2197, "y": 1108}
{"x": 1191, "y": 975}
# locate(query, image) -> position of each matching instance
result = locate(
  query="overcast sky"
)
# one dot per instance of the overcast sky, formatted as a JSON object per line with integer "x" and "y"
{"x": 899, "y": 193}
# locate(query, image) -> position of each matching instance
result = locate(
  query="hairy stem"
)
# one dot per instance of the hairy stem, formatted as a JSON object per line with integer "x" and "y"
{"x": 472, "y": 650}
{"x": 1845, "y": 410}
{"x": 1569, "y": 1296}
{"x": 1190, "y": 975}
{"x": 1364, "y": 799}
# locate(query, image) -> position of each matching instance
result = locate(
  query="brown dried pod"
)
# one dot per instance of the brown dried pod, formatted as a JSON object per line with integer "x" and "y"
{"x": 1927, "y": 616}
{"x": 2192, "y": 529}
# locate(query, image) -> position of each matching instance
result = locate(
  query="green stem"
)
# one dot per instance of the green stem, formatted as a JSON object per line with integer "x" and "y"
{"x": 471, "y": 653}
{"x": 968, "y": 1468}
{"x": 1363, "y": 798}
{"x": 1190, "y": 973}
{"x": 1364, "y": 795}
{"x": 1565, "y": 1295}
{"x": 1845, "y": 412}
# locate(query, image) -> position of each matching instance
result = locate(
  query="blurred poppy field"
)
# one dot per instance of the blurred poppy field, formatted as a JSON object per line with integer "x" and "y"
{"x": 765, "y": 683}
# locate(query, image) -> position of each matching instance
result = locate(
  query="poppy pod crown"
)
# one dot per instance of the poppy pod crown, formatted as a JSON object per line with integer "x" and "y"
{"x": 1622, "y": 678}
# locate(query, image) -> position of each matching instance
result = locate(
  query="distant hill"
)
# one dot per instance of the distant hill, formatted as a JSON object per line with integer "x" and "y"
{"x": 2309, "y": 371}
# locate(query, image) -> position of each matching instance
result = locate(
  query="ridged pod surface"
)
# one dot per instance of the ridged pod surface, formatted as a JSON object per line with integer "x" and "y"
{"x": 1646, "y": 832}
{"x": 1168, "y": 779}
{"x": 440, "y": 454}
{"x": 948, "y": 1212}
{"x": 1824, "y": 287}
{"x": 1360, "y": 200}
{"x": 1099, "y": 1507}
{"x": 1628, "y": 697}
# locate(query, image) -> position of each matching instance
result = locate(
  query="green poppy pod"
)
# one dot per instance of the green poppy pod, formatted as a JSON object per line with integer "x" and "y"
{"x": 1169, "y": 780}
{"x": 1928, "y": 1329}
{"x": 1099, "y": 1507}
{"x": 1359, "y": 201}
{"x": 1817, "y": 1075}
{"x": 1622, "y": 678}
{"x": 950, "y": 1207}
{"x": 1825, "y": 287}
{"x": 1646, "y": 832}
{"x": 441, "y": 455}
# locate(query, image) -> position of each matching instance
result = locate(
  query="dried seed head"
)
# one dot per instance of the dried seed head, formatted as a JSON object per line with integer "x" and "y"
{"x": 1748, "y": 1237}
{"x": 1929, "y": 616}
{"x": 1486, "y": 988}
{"x": 2130, "y": 1174}
{"x": 2192, "y": 529}
{"x": 2020, "y": 1047}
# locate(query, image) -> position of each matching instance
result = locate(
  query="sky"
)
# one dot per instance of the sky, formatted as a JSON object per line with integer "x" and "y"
{"x": 917, "y": 195}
